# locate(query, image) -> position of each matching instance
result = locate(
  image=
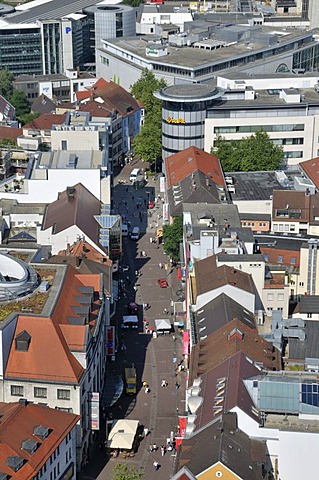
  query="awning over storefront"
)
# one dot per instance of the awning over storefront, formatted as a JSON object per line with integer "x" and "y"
{"x": 182, "y": 422}
{"x": 122, "y": 434}
{"x": 163, "y": 324}
{"x": 185, "y": 343}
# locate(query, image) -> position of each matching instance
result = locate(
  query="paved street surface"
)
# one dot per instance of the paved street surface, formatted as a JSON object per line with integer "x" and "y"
{"x": 152, "y": 357}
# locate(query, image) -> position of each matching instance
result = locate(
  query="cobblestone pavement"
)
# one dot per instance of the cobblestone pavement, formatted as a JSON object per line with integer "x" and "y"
{"x": 154, "y": 358}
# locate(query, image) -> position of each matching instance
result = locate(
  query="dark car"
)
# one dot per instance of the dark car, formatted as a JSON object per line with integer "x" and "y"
{"x": 132, "y": 308}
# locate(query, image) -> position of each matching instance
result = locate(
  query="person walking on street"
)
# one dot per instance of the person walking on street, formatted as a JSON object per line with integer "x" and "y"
{"x": 154, "y": 447}
{"x": 160, "y": 265}
{"x": 146, "y": 431}
{"x": 155, "y": 465}
{"x": 162, "y": 450}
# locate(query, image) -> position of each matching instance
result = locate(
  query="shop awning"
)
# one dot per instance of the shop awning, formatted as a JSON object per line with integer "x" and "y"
{"x": 163, "y": 324}
{"x": 122, "y": 434}
{"x": 185, "y": 343}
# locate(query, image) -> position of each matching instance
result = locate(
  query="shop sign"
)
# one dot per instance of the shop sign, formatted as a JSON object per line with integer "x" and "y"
{"x": 179, "y": 121}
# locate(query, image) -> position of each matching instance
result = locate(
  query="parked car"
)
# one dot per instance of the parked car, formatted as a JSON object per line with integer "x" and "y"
{"x": 132, "y": 308}
{"x": 162, "y": 282}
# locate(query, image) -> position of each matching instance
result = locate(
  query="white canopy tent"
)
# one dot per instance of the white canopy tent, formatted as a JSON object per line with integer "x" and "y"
{"x": 122, "y": 434}
{"x": 163, "y": 324}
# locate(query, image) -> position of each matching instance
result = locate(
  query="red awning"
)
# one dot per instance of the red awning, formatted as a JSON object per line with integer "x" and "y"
{"x": 185, "y": 343}
{"x": 179, "y": 273}
{"x": 182, "y": 422}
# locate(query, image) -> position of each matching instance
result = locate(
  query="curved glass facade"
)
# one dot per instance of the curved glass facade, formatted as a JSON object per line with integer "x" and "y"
{"x": 183, "y": 116}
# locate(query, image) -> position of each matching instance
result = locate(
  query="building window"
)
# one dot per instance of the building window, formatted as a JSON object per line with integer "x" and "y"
{"x": 280, "y": 259}
{"x": 301, "y": 284}
{"x": 17, "y": 390}
{"x": 309, "y": 315}
{"x": 266, "y": 257}
{"x": 270, "y": 296}
{"x": 40, "y": 392}
{"x": 293, "y": 260}
{"x": 64, "y": 145}
{"x": 63, "y": 394}
{"x": 280, "y": 297}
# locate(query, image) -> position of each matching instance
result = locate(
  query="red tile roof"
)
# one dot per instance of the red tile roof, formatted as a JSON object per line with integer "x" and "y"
{"x": 69, "y": 292}
{"x": 10, "y": 132}
{"x": 209, "y": 277}
{"x": 115, "y": 98}
{"x": 45, "y": 122}
{"x": 182, "y": 164}
{"x": 48, "y": 356}
{"x": 17, "y": 424}
{"x": 311, "y": 169}
{"x": 273, "y": 255}
{"x": 228, "y": 340}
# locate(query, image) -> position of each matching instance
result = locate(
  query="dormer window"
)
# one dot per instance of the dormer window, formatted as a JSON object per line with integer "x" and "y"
{"x": 29, "y": 446}
{"x": 22, "y": 341}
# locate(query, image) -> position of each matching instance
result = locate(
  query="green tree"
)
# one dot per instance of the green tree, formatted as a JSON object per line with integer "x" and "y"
{"x": 28, "y": 117}
{"x": 256, "y": 152}
{"x": 20, "y": 102}
{"x": 6, "y": 87}
{"x": 148, "y": 143}
{"x": 8, "y": 142}
{"x": 144, "y": 88}
{"x": 173, "y": 236}
{"x": 122, "y": 471}
{"x": 133, "y": 3}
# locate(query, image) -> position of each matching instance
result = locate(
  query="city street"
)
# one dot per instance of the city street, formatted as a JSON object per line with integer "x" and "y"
{"x": 155, "y": 359}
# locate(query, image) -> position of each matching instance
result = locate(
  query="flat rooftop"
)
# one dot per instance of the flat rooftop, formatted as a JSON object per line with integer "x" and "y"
{"x": 190, "y": 57}
{"x": 85, "y": 159}
{"x": 268, "y": 98}
{"x": 254, "y": 185}
{"x": 50, "y": 10}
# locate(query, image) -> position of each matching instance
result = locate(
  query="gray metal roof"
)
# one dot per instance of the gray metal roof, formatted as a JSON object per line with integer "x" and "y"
{"x": 309, "y": 304}
{"x": 254, "y": 185}
{"x": 309, "y": 348}
{"x": 49, "y": 11}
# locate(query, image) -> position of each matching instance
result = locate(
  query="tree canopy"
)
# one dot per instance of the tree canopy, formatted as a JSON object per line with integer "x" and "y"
{"x": 253, "y": 153}
{"x": 122, "y": 471}
{"x": 133, "y": 3}
{"x": 148, "y": 143}
{"x": 173, "y": 236}
{"x": 20, "y": 102}
{"x": 6, "y": 87}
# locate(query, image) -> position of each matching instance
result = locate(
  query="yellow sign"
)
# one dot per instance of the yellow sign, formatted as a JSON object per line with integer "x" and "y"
{"x": 175, "y": 120}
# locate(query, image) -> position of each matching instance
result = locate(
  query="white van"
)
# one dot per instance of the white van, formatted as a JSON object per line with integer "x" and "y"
{"x": 135, "y": 235}
{"x": 134, "y": 174}
{"x": 124, "y": 230}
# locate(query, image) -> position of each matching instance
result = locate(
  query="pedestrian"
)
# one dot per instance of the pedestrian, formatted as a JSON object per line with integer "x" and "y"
{"x": 145, "y": 431}
{"x": 177, "y": 385}
{"x": 151, "y": 448}
{"x": 160, "y": 265}
{"x": 147, "y": 390}
{"x": 174, "y": 338}
{"x": 164, "y": 383}
{"x": 151, "y": 240}
{"x": 144, "y": 384}
{"x": 154, "y": 447}
{"x": 162, "y": 450}
{"x": 155, "y": 465}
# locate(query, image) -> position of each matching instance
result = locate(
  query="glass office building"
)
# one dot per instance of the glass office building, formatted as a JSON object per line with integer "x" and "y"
{"x": 21, "y": 50}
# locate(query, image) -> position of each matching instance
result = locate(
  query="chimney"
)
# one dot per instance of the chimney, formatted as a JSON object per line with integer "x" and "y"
{"x": 23, "y": 401}
{"x": 68, "y": 249}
